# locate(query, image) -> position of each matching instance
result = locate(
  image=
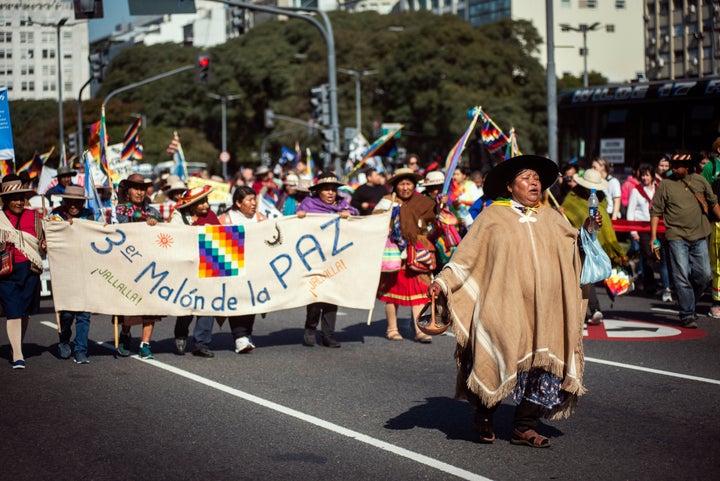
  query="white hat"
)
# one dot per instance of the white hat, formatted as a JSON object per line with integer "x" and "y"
{"x": 432, "y": 178}
{"x": 591, "y": 179}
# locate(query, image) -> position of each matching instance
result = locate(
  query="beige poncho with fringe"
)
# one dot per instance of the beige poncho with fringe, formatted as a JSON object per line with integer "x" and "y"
{"x": 513, "y": 289}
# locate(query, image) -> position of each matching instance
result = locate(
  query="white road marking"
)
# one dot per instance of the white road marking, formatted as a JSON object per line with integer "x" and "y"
{"x": 654, "y": 371}
{"x": 662, "y": 309}
{"x": 419, "y": 458}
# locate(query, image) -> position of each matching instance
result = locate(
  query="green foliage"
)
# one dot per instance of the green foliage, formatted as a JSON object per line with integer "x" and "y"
{"x": 569, "y": 81}
{"x": 431, "y": 70}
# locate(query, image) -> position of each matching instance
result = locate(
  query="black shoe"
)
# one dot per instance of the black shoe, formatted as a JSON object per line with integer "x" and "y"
{"x": 309, "y": 337}
{"x": 203, "y": 351}
{"x": 180, "y": 345}
{"x": 689, "y": 323}
{"x": 330, "y": 342}
{"x": 123, "y": 349}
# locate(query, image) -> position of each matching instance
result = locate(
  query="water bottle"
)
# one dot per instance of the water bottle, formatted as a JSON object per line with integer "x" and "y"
{"x": 593, "y": 204}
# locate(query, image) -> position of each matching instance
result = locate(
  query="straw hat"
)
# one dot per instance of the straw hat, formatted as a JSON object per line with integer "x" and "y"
{"x": 503, "y": 174}
{"x": 433, "y": 178}
{"x": 13, "y": 185}
{"x": 73, "y": 192}
{"x": 304, "y": 185}
{"x": 193, "y": 196}
{"x": 591, "y": 179}
{"x": 325, "y": 180}
{"x": 405, "y": 173}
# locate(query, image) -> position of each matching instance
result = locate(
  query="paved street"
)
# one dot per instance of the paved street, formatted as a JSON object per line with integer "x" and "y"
{"x": 373, "y": 409}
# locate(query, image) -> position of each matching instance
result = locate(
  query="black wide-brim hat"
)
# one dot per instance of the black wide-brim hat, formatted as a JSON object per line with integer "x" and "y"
{"x": 503, "y": 174}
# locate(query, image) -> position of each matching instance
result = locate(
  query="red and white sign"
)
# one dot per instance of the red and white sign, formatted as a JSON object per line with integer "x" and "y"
{"x": 224, "y": 157}
{"x": 629, "y": 330}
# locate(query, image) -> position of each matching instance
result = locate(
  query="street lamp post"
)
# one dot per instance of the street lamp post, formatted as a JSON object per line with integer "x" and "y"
{"x": 584, "y": 29}
{"x": 57, "y": 27}
{"x": 357, "y": 74}
{"x": 223, "y": 99}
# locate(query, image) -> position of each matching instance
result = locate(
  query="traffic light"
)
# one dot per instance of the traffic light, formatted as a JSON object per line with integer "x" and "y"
{"x": 238, "y": 19}
{"x": 97, "y": 65}
{"x": 269, "y": 119}
{"x": 320, "y": 102}
{"x": 72, "y": 143}
{"x": 328, "y": 141}
{"x": 203, "y": 68}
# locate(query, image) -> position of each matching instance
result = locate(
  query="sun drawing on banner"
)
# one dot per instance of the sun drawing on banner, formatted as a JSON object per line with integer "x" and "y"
{"x": 221, "y": 251}
{"x": 164, "y": 240}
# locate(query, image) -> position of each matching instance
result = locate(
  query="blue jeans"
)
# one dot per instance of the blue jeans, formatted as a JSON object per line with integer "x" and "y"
{"x": 82, "y": 327}
{"x": 691, "y": 273}
{"x": 203, "y": 330}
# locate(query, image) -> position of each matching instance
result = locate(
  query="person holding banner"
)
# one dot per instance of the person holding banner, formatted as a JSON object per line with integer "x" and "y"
{"x": 72, "y": 207}
{"x": 135, "y": 206}
{"x": 323, "y": 199}
{"x": 21, "y": 236}
{"x": 243, "y": 211}
{"x": 412, "y": 216}
{"x": 193, "y": 208}
{"x": 514, "y": 296}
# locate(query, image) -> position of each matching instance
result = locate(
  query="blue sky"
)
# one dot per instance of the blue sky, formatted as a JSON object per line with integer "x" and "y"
{"x": 115, "y": 12}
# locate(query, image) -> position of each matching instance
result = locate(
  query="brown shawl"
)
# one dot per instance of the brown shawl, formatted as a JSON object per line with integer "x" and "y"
{"x": 513, "y": 289}
{"x": 415, "y": 215}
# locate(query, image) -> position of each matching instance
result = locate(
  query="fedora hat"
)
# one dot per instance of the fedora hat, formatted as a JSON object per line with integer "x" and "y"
{"x": 405, "y": 173}
{"x": 63, "y": 171}
{"x": 193, "y": 196}
{"x": 325, "y": 180}
{"x": 12, "y": 184}
{"x": 291, "y": 180}
{"x": 681, "y": 159}
{"x": 591, "y": 179}
{"x": 503, "y": 174}
{"x": 262, "y": 170}
{"x": 73, "y": 192}
{"x": 135, "y": 180}
{"x": 433, "y": 178}
{"x": 304, "y": 185}
{"x": 176, "y": 186}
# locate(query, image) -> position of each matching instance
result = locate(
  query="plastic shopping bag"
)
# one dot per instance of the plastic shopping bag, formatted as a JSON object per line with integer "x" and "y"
{"x": 596, "y": 266}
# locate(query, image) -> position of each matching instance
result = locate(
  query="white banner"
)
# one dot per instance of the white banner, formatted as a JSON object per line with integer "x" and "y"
{"x": 168, "y": 269}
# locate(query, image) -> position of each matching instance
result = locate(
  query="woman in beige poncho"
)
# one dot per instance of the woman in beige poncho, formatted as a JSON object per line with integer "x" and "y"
{"x": 513, "y": 290}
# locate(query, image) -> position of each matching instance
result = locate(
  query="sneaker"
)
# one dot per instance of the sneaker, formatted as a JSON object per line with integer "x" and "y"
{"x": 19, "y": 364}
{"x": 64, "y": 350}
{"x": 688, "y": 323}
{"x": 123, "y": 349}
{"x": 144, "y": 351}
{"x": 180, "y": 345}
{"x": 595, "y": 319}
{"x": 714, "y": 311}
{"x": 81, "y": 358}
{"x": 667, "y": 296}
{"x": 243, "y": 345}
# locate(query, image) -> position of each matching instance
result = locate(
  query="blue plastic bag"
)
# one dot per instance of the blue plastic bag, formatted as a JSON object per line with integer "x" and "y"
{"x": 596, "y": 266}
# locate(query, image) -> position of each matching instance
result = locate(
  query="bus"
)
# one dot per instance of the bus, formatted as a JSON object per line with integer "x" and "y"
{"x": 638, "y": 122}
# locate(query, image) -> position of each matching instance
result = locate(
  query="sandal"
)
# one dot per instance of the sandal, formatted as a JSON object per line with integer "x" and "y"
{"x": 484, "y": 429}
{"x": 531, "y": 438}
{"x": 423, "y": 339}
{"x": 393, "y": 335}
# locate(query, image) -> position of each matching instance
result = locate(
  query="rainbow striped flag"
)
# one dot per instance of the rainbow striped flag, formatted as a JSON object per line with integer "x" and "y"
{"x": 310, "y": 162}
{"x": 455, "y": 153}
{"x": 131, "y": 140}
{"x": 103, "y": 147}
{"x": 5, "y": 167}
{"x": 34, "y": 166}
{"x": 175, "y": 148}
{"x": 492, "y": 137}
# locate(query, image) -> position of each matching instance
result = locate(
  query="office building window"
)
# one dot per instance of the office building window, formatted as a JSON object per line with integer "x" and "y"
{"x": 48, "y": 53}
{"x": 5, "y": 37}
{"x": 27, "y": 70}
{"x": 27, "y": 37}
{"x": 588, "y": 4}
{"x": 9, "y": 86}
{"x": 620, "y": 4}
{"x": 5, "y": 53}
{"x": 67, "y": 86}
{"x": 27, "y": 54}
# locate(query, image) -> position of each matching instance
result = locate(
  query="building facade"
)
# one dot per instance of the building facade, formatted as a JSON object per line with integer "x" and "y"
{"x": 29, "y": 53}
{"x": 682, "y": 38}
{"x": 614, "y": 47}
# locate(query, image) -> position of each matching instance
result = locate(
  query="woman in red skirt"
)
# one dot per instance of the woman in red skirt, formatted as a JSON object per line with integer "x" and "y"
{"x": 413, "y": 215}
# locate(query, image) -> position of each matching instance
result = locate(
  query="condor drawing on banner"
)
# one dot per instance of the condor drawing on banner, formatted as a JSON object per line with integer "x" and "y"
{"x": 613, "y": 150}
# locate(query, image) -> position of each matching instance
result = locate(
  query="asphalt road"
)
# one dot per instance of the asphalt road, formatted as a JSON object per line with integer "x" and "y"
{"x": 373, "y": 409}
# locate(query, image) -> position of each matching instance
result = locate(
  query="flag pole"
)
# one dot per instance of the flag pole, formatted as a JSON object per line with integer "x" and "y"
{"x": 57, "y": 320}
{"x": 370, "y": 153}
{"x": 117, "y": 338}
